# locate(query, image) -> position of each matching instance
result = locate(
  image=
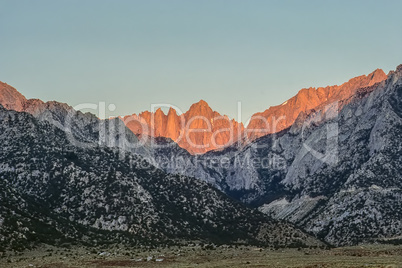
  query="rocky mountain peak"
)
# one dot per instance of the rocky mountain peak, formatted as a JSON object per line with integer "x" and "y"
{"x": 172, "y": 112}
{"x": 202, "y": 103}
{"x": 159, "y": 111}
{"x": 398, "y": 71}
{"x": 200, "y": 108}
{"x": 377, "y": 76}
{"x": 10, "y": 98}
{"x": 399, "y": 68}
{"x": 395, "y": 76}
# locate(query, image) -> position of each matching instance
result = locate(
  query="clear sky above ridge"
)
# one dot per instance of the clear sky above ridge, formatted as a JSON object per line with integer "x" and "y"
{"x": 135, "y": 53}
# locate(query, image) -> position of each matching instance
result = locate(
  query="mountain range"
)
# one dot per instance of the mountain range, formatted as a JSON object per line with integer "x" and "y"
{"x": 219, "y": 131}
{"x": 327, "y": 161}
{"x": 202, "y": 129}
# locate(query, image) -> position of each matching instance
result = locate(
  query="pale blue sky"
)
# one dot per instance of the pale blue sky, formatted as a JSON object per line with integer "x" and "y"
{"x": 134, "y": 53}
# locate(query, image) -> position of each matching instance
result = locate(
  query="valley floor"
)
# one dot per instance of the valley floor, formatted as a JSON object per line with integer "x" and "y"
{"x": 387, "y": 256}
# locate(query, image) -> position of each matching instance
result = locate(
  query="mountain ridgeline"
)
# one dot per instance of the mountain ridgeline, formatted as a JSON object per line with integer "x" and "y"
{"x": 201, "y": 129}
